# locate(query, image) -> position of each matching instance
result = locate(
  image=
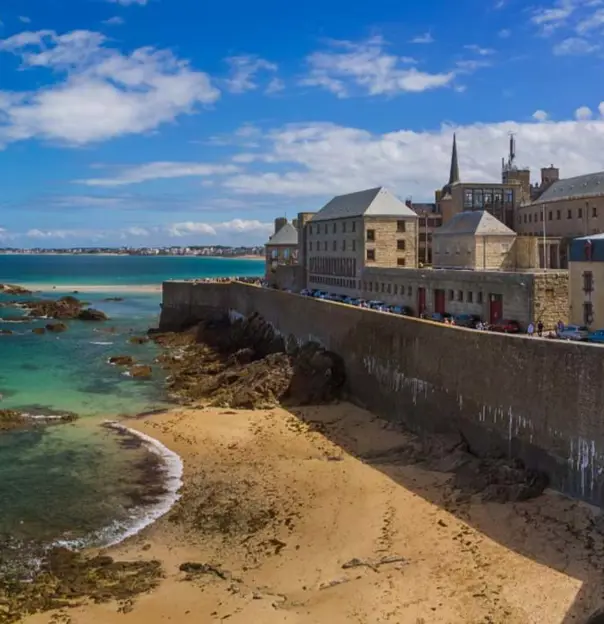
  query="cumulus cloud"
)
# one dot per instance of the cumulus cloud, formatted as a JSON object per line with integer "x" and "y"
{"x": 104, "y": 93}
{"x": 583, "y": 113}
{"x": 346, "y": 67}
{"x": 244, "y": 70}
{"x": 540, "y": 115}
{"x": 321, "y": 160}
{"x": 160, "y": 171}
{"x": 237, "y": 226}
{"x": 574, "y": 46}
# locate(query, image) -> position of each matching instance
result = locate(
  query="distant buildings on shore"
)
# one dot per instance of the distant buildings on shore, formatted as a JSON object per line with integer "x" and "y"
{"x": 213, "y": 251}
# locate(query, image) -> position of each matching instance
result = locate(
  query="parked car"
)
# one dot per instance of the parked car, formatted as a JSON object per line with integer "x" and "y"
{"x": 506, "y": 326}
{"x": 437, "y": 317}
{"x": 402, "y": 310}
{"x": 596, "y": 336}
{"x": 319, "y": 294}
{"x": 306, "y": 292}
{"x": 376, "y": 305}
{"x": 467, "y": 320}
{"x": 573, "y": 332}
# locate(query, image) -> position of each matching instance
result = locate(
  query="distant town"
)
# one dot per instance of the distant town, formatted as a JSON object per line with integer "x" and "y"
{"x": 213, "y": 251}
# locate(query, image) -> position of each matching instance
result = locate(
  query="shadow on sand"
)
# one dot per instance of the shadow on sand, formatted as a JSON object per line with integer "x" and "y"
{"x": 563, "y": 534}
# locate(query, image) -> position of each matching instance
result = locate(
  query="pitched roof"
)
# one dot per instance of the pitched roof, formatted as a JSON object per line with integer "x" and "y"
{"x": 589, "y": 185}
{"x": 477, "y": 222}
{"x": 376, "y": 202}
{"x": 287, "y": 235}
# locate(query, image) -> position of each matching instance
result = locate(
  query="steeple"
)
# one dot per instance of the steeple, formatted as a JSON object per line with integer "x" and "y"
{"x": 454, "y": 175}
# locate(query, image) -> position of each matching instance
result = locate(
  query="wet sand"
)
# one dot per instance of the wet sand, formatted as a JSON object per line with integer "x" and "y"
{"x": 293, "y": 528}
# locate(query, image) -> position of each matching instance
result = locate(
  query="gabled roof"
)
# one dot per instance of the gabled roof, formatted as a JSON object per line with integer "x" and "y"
{"x": 476, "y": 222}
{"x": 287, "y": 235}
{"x": 589, "y": 185}
{"x": 376, "y": 202}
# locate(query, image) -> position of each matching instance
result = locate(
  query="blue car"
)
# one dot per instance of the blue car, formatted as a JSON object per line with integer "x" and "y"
{"x": 596, "y": 336}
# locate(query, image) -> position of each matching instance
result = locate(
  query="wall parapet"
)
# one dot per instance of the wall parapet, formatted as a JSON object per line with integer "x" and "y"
{"x": 539, "y": 400}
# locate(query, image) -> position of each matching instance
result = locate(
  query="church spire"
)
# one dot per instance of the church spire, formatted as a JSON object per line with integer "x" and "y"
{"x": 454, "y": 175}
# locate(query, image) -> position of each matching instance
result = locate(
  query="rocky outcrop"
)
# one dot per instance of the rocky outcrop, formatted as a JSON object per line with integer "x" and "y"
{"x": 56, "y": 327}
{"x": 121, "y": 360}
{"x": 5, "y": 332}
{"x": 138, "y": 340}
{"x": 38, "y": 330}
{"x": 140, "y": 371}
{"x": 90, "y": 314}
{"x": 11, "y": 420}
{"x": 13, "y": 289}
{"x": 246, "y": 364}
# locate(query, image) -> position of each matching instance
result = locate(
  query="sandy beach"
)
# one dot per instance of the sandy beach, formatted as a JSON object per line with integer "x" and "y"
{"x": 101, "y": 288}
{"x": 308, "y": 517}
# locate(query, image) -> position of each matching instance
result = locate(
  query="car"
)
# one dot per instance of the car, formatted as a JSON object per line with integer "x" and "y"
{"x": 402, "y": 310}
{"x": 306, "y": 292}
{"x": 596, "y": 336}
{"x": 505, "y": 326}
{"x": 573, "y": 332}
{"x": 467, "y": 320}
{"x": 376, "y": 305}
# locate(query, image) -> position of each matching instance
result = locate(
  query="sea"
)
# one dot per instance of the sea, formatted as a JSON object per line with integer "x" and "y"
{"x": 87, "y": 483}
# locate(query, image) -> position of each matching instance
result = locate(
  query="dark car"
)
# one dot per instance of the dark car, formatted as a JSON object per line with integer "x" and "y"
{"x": 402, "y": 310}
{"x": 438, "y": 317}
{"x": 506, "y": 326}
{"x": 467, "y": 320}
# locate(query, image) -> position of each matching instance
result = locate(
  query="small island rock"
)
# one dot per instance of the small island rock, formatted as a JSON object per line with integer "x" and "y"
{"x": 121, "y": 360}
{"x": 141, "y": 371}
{"x": 56, "y": 327}
{"x": 90, "y": 314}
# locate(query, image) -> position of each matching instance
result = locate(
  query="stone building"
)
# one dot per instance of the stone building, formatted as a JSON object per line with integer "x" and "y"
{"x": 281, "y": 249}
{"x": 500, "y": 199}
{"x": 586, "y": 281}
{"x": 428, "y": 221}
{"x": 354, "y": 231}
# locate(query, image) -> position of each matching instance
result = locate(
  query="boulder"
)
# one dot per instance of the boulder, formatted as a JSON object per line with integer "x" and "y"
{"x": 121, "y": 360}
{"x": 140, "y": 371}
{"x": 138, "y": 340}
{"x": 90, "y": 314}
{"x": 5, "y": 332}
{"x": 38, "y": 330}
{"x": 114, "y": 299}
{"x": 56, "y": 327}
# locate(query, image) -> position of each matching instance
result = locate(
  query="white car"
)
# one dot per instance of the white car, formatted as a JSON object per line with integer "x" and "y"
{"x": 573, "y": 332}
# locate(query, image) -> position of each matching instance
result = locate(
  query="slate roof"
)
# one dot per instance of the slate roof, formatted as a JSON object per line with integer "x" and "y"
{"x": 376, "y": 202}
{"x": 476, "y": 222}
{"x": 589, "y": 185}
{"x": 287, "y": 235}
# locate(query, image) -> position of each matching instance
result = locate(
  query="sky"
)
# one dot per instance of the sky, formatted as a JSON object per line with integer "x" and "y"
{"x": 180, "y": 122}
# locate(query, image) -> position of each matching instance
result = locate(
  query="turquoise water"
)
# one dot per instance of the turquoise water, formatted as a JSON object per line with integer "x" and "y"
{"x": 83, "y": 481}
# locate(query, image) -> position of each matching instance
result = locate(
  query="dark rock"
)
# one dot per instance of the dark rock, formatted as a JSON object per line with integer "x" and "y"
{"x": 121, "y": 360}
{"x": 38, "y": 330}
{"x": 196, "y": 569}
{"x": 138, "y": 340}
{"x": 56, "y": 327}
{"x": 140, "y": 371}
{"x": 5, "y": 332}
{"x": 13, "y": 289}
{"x": 114, "y": 299}
{"x": 90, "y": 314}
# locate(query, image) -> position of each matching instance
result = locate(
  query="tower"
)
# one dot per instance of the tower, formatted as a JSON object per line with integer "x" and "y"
{"x": 454, "y": 173}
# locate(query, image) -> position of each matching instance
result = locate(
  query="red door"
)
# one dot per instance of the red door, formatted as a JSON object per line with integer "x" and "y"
{"x": 439, "y": 301}
{"x": 495, "y": 308}
{"x": 421, "y": 301}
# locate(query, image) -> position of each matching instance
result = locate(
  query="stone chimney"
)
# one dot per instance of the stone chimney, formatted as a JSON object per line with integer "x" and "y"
{"x": 549, "y": 175}
{"x": 279, "y": 223}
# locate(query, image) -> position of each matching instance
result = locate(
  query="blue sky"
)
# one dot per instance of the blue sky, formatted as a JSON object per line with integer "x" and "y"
{"x": 179, "y": 122}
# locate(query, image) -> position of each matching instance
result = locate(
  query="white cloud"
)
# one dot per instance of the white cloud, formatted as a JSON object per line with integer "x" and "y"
{"x": 24, "y": 19}
{"x": 504, "y": 33}
{"x": 137, "y": 231}
{"x": 104, "y": 93}
{"x": 160, "y": 171}
{"x": 368, "y": 68}
{"x": 114, "y": 21}
{"x": 551, "y": 18}
{"x": 471, "y": 65}
{"x": 425, "y": 38}
{"x": 62, "y": 234}
{"x": 129, "y": 2}
{"x": 601, "y": 109}
{"x": 593, "y": 22}
{"x": 236, "y": 226}
{"x": 321, "y": 160}
{"x": 274, "y": 86}
{"x": 583, "y": 113}
{"x": 574, "y": 46}
{"x": 540, "y": 115}
{"x": 478, "y": 50}
{"x": 243, "y": 72}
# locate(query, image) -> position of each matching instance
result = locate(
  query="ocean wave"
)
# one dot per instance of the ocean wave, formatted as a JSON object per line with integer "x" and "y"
{"x": 101, "y": 343}
{"x": 119, "y": 531}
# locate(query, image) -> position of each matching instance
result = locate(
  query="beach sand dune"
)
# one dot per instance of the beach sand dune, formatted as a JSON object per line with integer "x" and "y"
{"x": 281, "y": 522}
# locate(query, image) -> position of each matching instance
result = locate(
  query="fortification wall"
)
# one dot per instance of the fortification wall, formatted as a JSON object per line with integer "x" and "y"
{"x": 539, "y": 400}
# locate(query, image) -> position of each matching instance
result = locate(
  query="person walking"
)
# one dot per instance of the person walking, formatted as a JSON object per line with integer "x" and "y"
{"x": 559, "y": 327}
{"x": 530, "y": 330}
{"x": 540, "y": 329}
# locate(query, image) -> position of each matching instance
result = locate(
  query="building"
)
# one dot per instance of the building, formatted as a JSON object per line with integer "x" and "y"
{"x": 500, "y": 199}
{"x": 429, "y": 219}
{"x": 370, "y": 228}
{"x": 281, "y": 249}
{"x": 586, "y": 281}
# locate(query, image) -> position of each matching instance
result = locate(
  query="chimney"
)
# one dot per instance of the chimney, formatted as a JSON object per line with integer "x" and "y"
{"x": 549, "y": 175}
{"x": 295, "y": 223}
{"x": 279, "y": 223}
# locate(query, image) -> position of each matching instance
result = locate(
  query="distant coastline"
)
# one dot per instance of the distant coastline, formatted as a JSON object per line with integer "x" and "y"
{"x": 134, "y": 255}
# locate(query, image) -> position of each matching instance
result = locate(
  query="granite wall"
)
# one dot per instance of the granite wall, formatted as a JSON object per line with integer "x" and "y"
{"x": 540, "y": 400}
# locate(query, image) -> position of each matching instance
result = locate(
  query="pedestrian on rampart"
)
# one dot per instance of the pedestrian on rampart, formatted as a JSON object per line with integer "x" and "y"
{"x": 530, "y": 330}
{"x": 540, "y": 329}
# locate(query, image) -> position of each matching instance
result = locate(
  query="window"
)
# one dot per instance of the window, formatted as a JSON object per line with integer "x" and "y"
{"x": 334, "y": 228}
{"x": 467, "y": 198}
{"x": 343, "y": 245}
{"x": 594, "y": 212}
{"x": 274, "y": 254}
{"x": 354, "y": 226}
{"x": 371, "y": 255}
{"x": 478, "y": 198}
{"x": 488, "y": 198}
{"x": 389, "y": 289}
{"x": 400, "y": 262}
{"x": 395, "y": 289}
{"x": 479, "y": 297}
{"x": 580, "y": 213}
{"x": 410, "y": 291}
{"x": 541, "y": 216}
{"x": 400, "y": 226}
{"x": 354, "y": 245}
{"x": 460, "y": 295}
{"x": 569, "y": 214}
{"x": 383, "y": 287}
{"x": 370, "y": 235}
{"x": 530, "y": 218}
{"x": 498, "y": 197}
{"x": 588, "y": 313}
{"x": 344, "y": 226}
{"x": 470, "y": 297}
{"x": 400, "y": 245}
{"x": 325, "y": 246}
{"x": 508, "y": 196}
{"x": 588, "y": 281}
{"x": 525, "y": 218}
{"x": 549, "y": 216}
{"x": 558, "y": 217}
{"x": 310, "y": 230}
{"x": 451, "y": 295}
{"x": 310, "y": 246}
